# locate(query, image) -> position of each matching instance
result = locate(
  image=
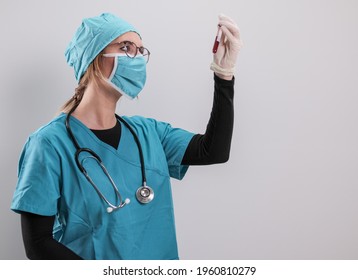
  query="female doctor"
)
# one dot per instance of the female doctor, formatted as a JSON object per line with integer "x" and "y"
{"x": 93, "y": 185}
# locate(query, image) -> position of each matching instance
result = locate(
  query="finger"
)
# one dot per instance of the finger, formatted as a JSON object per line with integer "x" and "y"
{"x": 226, "y": 18}
{"x": 229, "y": 35}
{"x": 232, "y": 27}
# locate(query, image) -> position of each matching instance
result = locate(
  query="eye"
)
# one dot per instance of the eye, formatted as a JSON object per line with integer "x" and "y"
{"x": 123, "y": 47}
{"x": 128, "y": 47}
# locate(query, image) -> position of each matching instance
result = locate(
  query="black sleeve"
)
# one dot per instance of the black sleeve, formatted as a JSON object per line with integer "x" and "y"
{"x": 38, "y": 240}
{"x": 214, "y": 146}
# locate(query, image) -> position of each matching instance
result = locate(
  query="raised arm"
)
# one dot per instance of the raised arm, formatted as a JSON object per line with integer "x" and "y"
{"x": 214, "y": 146}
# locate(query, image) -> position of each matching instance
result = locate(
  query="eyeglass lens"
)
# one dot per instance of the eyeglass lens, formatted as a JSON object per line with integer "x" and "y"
{"x": 132, "y": 50}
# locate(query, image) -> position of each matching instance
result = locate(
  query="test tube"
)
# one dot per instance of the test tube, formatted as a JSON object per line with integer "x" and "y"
{"x": 217, "y": 39}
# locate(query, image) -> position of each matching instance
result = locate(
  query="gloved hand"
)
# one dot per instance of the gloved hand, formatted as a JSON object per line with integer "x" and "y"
{"x": 224, "y": 59}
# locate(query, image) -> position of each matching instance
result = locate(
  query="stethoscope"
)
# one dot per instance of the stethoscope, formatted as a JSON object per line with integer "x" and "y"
{"x": 144, "y": 193}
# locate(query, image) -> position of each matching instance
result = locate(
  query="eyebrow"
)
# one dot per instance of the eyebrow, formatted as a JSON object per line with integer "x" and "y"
{"x": 140, "y": 46}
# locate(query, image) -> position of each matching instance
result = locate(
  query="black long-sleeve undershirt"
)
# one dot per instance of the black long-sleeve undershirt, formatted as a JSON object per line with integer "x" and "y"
{"x": 38, "y": 240}
{"x": 214, "y": 146}
{"x": 209, "y": 148}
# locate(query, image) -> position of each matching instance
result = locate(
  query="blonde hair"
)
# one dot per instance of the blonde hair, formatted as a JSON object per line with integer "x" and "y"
{"x": 92, "y": 74}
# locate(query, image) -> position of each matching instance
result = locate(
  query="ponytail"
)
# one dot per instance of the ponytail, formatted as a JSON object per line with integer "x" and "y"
{"x": 72, "y": 104}
{"x": 93, "y": 74}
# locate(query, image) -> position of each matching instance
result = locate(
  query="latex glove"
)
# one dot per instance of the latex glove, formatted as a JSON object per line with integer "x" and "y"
{"x": 224, "y": 59}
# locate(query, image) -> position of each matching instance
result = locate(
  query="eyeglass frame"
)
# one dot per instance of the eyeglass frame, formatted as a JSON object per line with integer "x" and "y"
{"x": 137, "y": 48}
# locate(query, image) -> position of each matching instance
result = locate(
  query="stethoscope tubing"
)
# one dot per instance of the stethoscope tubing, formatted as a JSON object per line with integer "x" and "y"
{"x": 95, "y": 156}
{"x": 79, "y": 149}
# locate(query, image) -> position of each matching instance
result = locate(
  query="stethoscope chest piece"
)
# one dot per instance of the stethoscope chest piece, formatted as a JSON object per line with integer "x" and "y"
{"x": 144, "y": 194}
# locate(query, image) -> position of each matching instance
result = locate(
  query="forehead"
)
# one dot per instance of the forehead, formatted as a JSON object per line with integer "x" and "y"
{"x": 129, "y": 36}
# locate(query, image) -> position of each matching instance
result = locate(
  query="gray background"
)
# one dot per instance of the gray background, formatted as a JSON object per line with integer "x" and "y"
{"x": 289, "y": 190}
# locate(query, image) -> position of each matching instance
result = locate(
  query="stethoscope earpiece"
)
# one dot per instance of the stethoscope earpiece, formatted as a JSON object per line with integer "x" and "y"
{"x": 111, "y": 208}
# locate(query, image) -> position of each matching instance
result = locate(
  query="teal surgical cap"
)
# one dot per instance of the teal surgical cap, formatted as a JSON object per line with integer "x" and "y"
{"x": 91, "y": 38}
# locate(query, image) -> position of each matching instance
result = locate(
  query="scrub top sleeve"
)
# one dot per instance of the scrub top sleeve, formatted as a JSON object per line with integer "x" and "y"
{"x": 174, "y": 141}
{"x": 38, "y": 186}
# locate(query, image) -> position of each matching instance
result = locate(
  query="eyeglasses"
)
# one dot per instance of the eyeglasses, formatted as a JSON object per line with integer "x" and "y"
{"x": 131, "y": 49}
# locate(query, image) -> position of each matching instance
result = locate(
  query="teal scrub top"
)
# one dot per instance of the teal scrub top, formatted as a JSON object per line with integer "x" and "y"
{"x": 50, "y": 183}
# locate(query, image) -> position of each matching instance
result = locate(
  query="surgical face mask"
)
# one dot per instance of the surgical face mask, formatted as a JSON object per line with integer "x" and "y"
{"x": 128, "y": 75}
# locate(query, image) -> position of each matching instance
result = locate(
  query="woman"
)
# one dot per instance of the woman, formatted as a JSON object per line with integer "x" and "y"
{"x": 93, "y": 185}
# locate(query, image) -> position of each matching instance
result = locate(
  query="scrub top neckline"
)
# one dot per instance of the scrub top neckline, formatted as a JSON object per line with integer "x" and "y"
{"x": 94, "y": 136}
{"x": 110, "y": 136}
